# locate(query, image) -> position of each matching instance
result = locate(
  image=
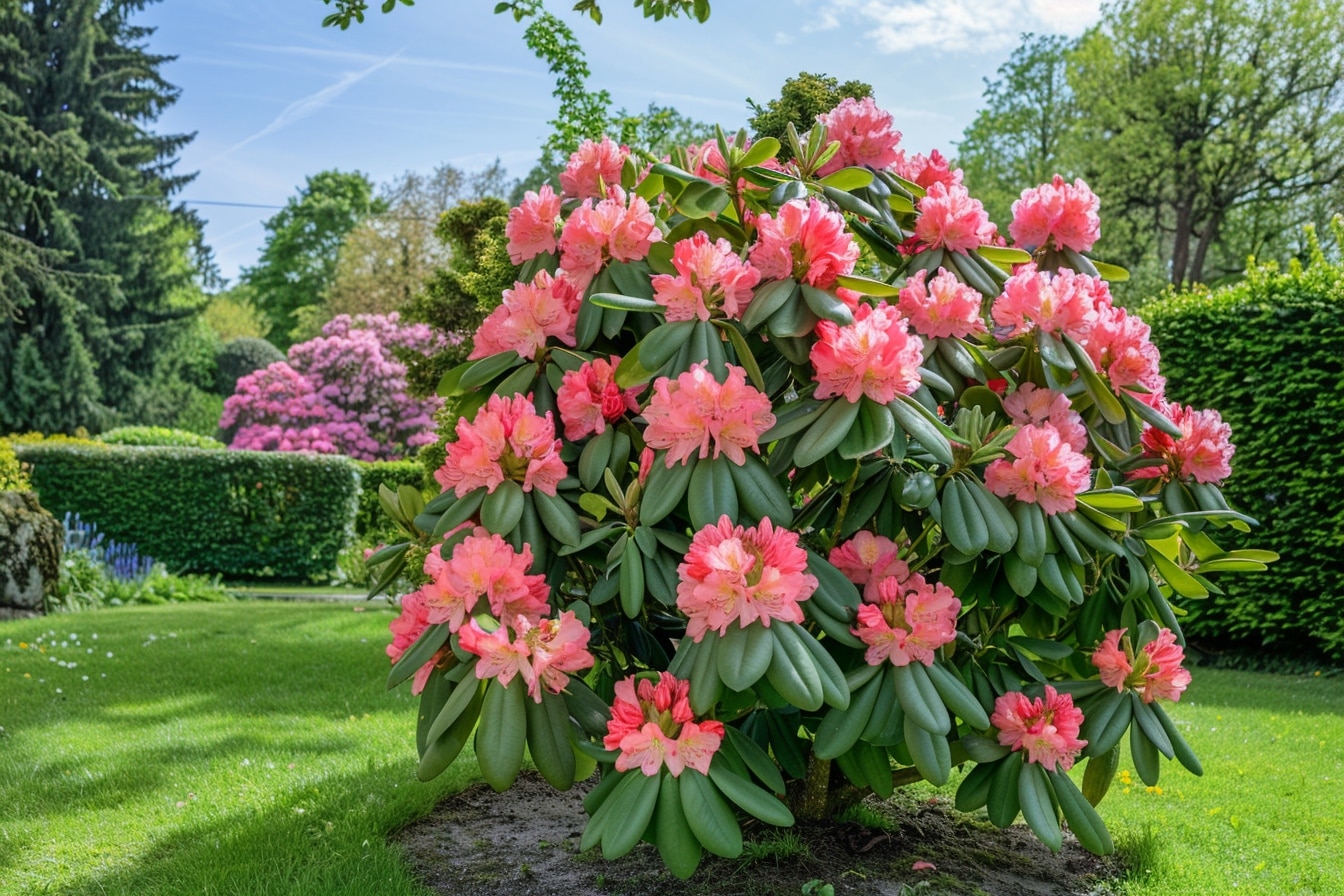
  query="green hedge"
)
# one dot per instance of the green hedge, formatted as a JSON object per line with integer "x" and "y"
{"x": 239, "y": 513}
{"x": 12, "y": 477}
{"x": 158, "y": 436}
{"x": 372, "y": 522}
{"x": 1268, "y": 353}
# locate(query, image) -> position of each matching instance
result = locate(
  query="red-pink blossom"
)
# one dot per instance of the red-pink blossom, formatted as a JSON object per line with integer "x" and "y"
{"x": 1120, "y": 345}
{"x": 540, "y": 651}
{"x": 1064, "y": 213}
{"x": 1204, "y": 450}
{"x": 736, "y": 574}
{"x": 593, "y": 169}
{"x": 874, "y": 356}
{"x": 505, "y": 440}
{"x": 865, "y": 134}
{"x": 696, "y": 414}
{"x": 806, "y": 241}
{"x": 529, "y": 314}
{"x": 950, "y": 219}
{"x": 710, "y": 277}
{"x": 867, "y": 559}
{"x": 1154, "y": 672}
{"x": 1031, "y": 405}
{"x": 1067, "y": 303}
{"x": 1044, "y": 470}
{"x": 611, "y": 229}
{"x": 927, "y": 170}
{"x": 589, "y": 399}
{"x": 653, "y": 725}
{"x": 943, "y": 308}
{"x": 531, "y": 227}
{"x": 406, "y": 629}
{"x": 1046, "y": 728}
{"x": 483, "y": 565}
{"x": 907, "y": 621}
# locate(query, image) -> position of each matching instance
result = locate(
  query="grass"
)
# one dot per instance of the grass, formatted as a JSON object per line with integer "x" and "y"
{"x": 251, "y": 748}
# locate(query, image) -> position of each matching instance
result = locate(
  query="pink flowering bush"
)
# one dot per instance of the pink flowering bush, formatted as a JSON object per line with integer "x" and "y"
{"x": 341, "y": 393}
{"x": 747, "y": 526}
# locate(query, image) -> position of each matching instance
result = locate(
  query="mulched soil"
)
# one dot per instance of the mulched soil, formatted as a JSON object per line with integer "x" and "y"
{"x": 524, "y": 842}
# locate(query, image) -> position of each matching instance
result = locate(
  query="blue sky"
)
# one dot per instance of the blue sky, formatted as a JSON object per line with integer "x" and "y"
{"x": 273, "y": 97}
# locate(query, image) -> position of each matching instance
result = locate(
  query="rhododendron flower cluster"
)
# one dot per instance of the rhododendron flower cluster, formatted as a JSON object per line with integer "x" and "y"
{"x": 1033, "y": 405}
{"x": 874, "y": 356}
{"x": 530, "y": 314}
{"x": 865, "y": 133}
{"x": 1120, "y": 346}
{"x": 653, "y": 726}
{"x": 1154, "y": 672}
{"x": 593, "y": 169}
{"x": 505, "y": 440}
{"x": 806, "y": 241}
{"x": 532, "y": 225}
{"x": 611, "y": 230}
{"x": 1057, "y": 213}
{"x": 1045, "y": 470}
{"x": 697, "y": 416}
{"x": 943, "y": 308}
{"x": 950, "y": 219}
{"x": 343, "y": 392}
{"x": 926, "y": 170}
{"x": 1203, "y": 453}
{"x": 908, "y": 620}
{"x": 483, "y": 565}
{"x": 1064, "y": 302}
{"x": 1046, "y": 728}
{"x": 734, "y": 574}
{"x": 589, "y": 399}
{"x": 868, "y": 559}
{"x": 540, "y": 652}
{"x": 409, "y": 625}
{"x": 709, "y": 277}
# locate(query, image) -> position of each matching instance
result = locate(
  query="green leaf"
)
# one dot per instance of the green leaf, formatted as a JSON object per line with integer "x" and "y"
{"x": 677, "y": 845}
{"x": 963, "y": 524}
{"x": 419, "y": 653}
{"x": 701, "y": 200}
{"x": 752, "y": 799}
{"x": 826, "y": 305}
{"x": 929, "y": 752}
{"x": 756, "y": 758}
{"x": 709, "y": 816}
{"x": 502, "y": 733}
{"x": 1099, "y": 774}
{"x": 1083, "y": 820}
{"x": 1184, "y": 754}
{"x": 792, "y": 672}
{"x": 743, "y": 353}
{"x": 826, "y": 433}
{"x": 548, "y": 739}
{"x": 1038, "y": 810}
{"x": 664, "y": 488}
{"x": 634, "y": 809}
{"x": 744, "y": 655}
{"x": 932, "y": 434}
{"x": 663, "y": 342}
{"x": 1112, "y": 272}
{"x": 973, "y": 792}
{"x": 767, "y": 299}
{"x": 439, "y": 754}
{"x": 455, "y": 705}
{"x": 761, "y": 150}
{"x": 956, "y": 696}
{"x": 920, "y": 699}
{"x": 557, "y": 516}
{"x": 624, "y": 303}
{"x": 486, "y": 369}
{"x": 759, "y": 494}
{"x": 834, "y": 686}
{"x": 1003, "y": 804}
{"x": 1004, "y": 256}
{"x": 1144, "y": 754}
{"x": 872, "y": 431}
{"x": 632, "y": 579}
{"x": 502, "y": 509}
{"x": 1104, "y": 721}
{"x": 1148, "y": 721}
{"x": 711, "y": 493}
{"x": 848, "y": 179}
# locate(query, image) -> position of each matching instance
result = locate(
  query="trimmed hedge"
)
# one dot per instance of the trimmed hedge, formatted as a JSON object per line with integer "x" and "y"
{"x": 371, "y": 521}
{"x": 158, "y": 436}
{"x": 1268, "y": 353}
{"x": 12, "y": 477}
{"x": 252, "y": 514}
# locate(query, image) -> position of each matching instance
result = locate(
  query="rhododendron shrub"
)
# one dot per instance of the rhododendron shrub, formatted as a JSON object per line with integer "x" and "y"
{"x": 747, "y": 526}
{"x": 341, "y": 393}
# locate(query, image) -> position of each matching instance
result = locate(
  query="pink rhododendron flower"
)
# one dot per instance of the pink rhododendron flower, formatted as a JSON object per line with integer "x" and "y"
{"x": 1204, "y": 450}
{"x": 907, "y": 621}
{"x": 652, "y": 725}
{"x": 483, "y": 565}
{"x": 529, "y": 314}
{"x": 867, "y": 559}
{"x": 734, "y": 574}
{"x": 541, "y": 652}
{"x": 1047, "y": 728}
{"x": 1044, "y": 470}
{"x": 874, "y": 356}
{"x": 589, "y": 399}
{"x": 709, "y": 277}
{"x": 927, "y": 170}
{"x": 1064, "y": 213}
{"x": 1155, "y": 672}
{"x": 806, "y": 241}
{"x": 944, "y": 308}
{"x": 950, "y": 219}
{"x": 611, "y": 229}
{"x": 1067, "y": 303}
{"x": 1120, "y": 346}
{"x": 531, "y": 227}
{"x": 865, "y": 133}
{"x": 1032, "y": 405}
{"x": 406, "y": 629}
{"x": 593, "y": 169}
{"x": 506, "y": 440}
{"x": 695, "y": 412}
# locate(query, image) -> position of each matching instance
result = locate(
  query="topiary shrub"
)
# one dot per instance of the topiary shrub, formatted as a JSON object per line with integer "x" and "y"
{"x": 1270, "y": 352}
{"x": 239, "y": 513}
{"x": 242, "y": 356}
{"x": 157, "y": 436}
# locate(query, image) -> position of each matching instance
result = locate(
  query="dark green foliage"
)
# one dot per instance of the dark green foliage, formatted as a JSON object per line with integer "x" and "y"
{"x": 1267, "y": 353}
{"x": 456, "y": 298}
{"x": 158, "y": 437}
{"x": 273, "y": 515}
{"x": 372, "y": 521}
{"x": 800, "y": 101}
{"x": 12, "y": 476}
{"x": 241, "y": 356}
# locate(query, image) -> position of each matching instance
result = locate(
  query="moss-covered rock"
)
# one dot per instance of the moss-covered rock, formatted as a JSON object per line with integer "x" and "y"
{"x": 30, "y": 555}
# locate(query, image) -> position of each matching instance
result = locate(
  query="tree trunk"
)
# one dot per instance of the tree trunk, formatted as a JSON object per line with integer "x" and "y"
{"x": 1206, "y": 239}
{"x": 1180, "y": 247}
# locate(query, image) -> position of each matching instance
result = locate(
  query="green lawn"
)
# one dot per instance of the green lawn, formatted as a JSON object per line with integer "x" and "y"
{"x": 251, "y": 748}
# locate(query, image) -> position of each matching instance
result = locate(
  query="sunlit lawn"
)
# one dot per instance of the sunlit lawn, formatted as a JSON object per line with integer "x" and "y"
{"x": 251, "y": 748}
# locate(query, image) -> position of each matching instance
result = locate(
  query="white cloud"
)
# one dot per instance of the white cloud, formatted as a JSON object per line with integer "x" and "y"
{"x": 951, "y": 26}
